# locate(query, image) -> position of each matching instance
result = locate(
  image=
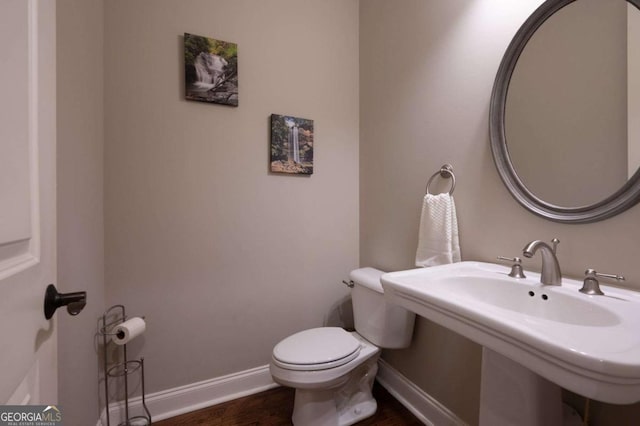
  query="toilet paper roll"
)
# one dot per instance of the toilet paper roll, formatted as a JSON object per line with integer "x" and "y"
{"x": 128, "y": 330}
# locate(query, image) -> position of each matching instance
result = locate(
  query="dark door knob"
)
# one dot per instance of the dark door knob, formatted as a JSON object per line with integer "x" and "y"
{"x": 53, "y": 300}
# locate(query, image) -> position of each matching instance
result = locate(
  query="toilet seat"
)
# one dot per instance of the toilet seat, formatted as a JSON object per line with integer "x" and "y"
{"x": 316, "y": 349}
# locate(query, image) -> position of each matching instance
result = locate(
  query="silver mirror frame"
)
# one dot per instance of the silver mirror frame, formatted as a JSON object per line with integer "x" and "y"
{"x": 621, "y": 200}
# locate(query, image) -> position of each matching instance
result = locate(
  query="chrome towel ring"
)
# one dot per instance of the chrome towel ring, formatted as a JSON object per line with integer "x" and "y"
{"x": 446, "y": 171}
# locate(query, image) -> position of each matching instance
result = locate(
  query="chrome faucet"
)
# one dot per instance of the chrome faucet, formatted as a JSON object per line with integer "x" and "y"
{"x": 550, "y": 267}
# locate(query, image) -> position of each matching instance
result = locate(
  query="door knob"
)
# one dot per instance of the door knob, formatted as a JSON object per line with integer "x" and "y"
{"x": 53, "y": 300}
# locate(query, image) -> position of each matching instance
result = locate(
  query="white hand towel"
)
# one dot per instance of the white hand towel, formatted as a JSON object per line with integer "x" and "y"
{"x": 438, "y": 241}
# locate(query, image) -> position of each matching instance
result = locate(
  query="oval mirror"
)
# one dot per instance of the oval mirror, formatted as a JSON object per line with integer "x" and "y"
{"x": 560, "y": 132}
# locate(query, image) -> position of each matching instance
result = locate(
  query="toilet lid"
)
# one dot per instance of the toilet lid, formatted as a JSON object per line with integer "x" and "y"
{"x": 315, "y": 349}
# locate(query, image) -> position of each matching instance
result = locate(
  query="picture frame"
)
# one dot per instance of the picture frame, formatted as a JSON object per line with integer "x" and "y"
{"x": 292, "y": 144}
{"x": 211, "y": 70}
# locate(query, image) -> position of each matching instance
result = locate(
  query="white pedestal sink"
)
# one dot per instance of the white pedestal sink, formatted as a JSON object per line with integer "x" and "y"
{"x": 587, "y": 344}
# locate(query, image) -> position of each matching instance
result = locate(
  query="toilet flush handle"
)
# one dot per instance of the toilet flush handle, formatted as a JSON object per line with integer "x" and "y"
{"x": 348, "y": 283}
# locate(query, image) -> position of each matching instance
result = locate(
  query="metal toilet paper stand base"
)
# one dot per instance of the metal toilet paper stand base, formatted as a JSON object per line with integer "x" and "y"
{"x": 112, "y": 317}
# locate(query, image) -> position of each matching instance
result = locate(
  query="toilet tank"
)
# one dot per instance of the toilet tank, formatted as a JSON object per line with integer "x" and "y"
{"x": 383, "y": 324}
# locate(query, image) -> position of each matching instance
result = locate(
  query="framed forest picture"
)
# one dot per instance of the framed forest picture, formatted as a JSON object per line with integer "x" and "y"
{"x": 291, "y": 144}
{"x": 210, "y": 70}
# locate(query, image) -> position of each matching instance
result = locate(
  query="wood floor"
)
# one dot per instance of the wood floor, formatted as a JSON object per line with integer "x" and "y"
{"x": 274, "y": 408}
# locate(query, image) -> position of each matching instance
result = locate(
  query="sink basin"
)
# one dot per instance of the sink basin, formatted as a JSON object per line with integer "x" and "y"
{"x": 526, "y": 298}
{"x": 587, "y": 344}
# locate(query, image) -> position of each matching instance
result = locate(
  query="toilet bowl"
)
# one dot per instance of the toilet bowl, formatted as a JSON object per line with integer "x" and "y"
{"x": 333, "y": 370}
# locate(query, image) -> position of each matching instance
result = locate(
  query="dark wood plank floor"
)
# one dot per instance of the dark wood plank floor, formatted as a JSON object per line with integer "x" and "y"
{"x": 274, "y": 408}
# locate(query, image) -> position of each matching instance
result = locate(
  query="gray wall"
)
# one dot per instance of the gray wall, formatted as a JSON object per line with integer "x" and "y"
{"x": 633, "y": 83}
{"x": 80, "y": 201}
{"x": 426, "y": 74}
{"x": 223, "y": 258}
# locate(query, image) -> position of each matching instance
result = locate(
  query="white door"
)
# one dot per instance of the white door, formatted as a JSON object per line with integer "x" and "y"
{"x": 27, "y": 200}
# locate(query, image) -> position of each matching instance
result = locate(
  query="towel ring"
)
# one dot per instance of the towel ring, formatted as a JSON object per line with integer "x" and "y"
{"x": 446, "y": 171}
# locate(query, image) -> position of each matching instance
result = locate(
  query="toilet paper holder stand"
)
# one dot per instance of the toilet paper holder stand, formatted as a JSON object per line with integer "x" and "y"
{"x": 111, "y": 318}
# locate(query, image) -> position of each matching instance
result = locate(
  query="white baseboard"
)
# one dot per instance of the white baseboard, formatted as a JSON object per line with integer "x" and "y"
{"x": 427, "y": 409}
{"x": 184, "y": 399}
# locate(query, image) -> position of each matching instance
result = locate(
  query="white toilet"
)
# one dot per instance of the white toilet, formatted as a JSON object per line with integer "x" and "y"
{"x": 333, "y": 370}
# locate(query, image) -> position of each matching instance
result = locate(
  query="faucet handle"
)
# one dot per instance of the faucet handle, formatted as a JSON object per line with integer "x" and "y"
{"x": 516, "y": 268}
{"x": 555, "y": 243}
{"x": 592, "y": 286}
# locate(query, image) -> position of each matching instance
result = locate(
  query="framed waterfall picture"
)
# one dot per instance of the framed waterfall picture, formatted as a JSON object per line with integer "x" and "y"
{"x": 210, "y": 70}
{"x": 291, "y": 145}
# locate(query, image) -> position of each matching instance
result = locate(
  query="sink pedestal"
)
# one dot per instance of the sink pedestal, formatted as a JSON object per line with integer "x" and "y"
{"x": 511, "y": 394}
